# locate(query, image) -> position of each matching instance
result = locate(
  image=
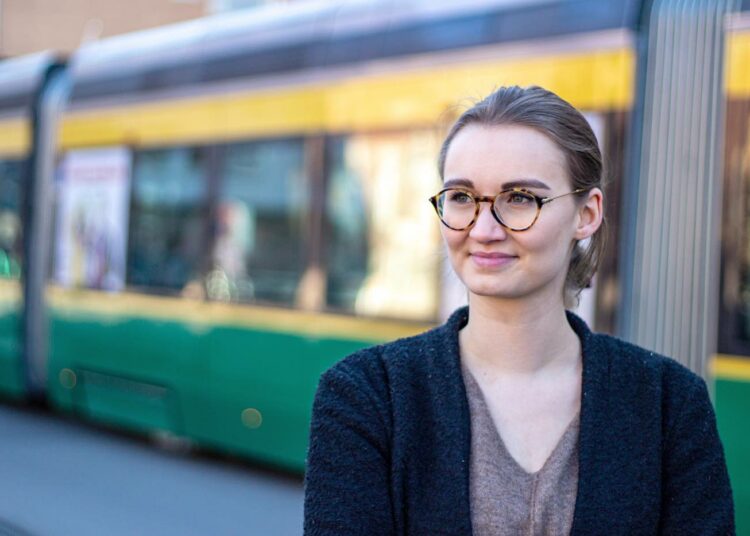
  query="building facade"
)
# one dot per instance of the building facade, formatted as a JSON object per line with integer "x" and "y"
{"x": 28, "y": 26}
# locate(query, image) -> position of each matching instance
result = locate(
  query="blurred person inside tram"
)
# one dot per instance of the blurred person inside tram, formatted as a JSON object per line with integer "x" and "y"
{"x": 514, "y": 417}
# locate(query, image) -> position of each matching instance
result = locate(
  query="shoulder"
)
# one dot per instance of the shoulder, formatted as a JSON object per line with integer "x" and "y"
{"x": 644, "y": 372}
{"x": 629, "y": 368}
{"x": 640, "y": 360}
{"x": 400, "y": 371}
{"x": 373, "y": 365}
{"x": 434, "y": 347}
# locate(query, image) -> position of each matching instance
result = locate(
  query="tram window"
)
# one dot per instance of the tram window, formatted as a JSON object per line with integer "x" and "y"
{"x": 261, "y": 224}
{"x": 734, "y": 319}
{"x": 10, "y": 219}
{"x": 167, "y": 214}
{"x": 382, "y": 245}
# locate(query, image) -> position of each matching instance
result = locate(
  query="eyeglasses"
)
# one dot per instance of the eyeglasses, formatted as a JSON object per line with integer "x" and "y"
{"x": 515, "y": 209}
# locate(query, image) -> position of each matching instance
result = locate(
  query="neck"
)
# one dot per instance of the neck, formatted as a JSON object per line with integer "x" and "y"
{"x": 518, "y": 336}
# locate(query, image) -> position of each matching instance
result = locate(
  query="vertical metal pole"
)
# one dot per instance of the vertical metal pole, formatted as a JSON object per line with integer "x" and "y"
{"x": 637, "y": 144}
{"x": 671, "y": 222}
{"x": 46, "y": 114}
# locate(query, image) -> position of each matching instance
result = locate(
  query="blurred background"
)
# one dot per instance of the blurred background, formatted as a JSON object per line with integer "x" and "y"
{"x": 206, "y": 203}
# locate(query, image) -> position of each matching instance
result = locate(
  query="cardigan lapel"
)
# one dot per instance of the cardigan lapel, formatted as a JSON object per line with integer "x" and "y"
{"x": 595, "y": 434}
{"x": 461, "y": 438}
{"x": 432, "y": 434}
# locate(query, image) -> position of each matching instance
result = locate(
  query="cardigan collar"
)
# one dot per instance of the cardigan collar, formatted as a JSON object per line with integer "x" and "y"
{"x": 460, "y": 317}
{"x": 592, "y": 457}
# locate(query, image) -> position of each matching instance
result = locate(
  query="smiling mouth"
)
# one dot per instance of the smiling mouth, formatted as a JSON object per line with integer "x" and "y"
{"x": 491, "y": 260}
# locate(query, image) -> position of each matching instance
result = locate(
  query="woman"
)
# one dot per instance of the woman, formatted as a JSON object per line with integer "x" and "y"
{"x": 513, "y": 418}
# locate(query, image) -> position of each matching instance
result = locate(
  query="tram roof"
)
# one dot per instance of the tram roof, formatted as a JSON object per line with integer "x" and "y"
{"x": 280, "y": 39}
{"x": 20, "y": 77}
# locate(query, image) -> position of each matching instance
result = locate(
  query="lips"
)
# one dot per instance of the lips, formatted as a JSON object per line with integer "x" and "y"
{"x": 491, "y": 259}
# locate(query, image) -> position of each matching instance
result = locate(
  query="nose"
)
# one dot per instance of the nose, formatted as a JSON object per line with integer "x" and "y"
{"x": 486, "y": 228}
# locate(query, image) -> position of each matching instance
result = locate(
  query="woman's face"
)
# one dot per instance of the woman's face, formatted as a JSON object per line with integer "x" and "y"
{"x": 490, "y": 259}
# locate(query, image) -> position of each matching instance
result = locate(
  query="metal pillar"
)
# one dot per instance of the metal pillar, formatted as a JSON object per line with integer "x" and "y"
{"x": 47, "y": 110}
{"x": 671, "y": 225}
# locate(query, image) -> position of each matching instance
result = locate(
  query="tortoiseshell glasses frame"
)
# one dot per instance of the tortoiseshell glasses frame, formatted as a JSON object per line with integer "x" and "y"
{"x": 493, "y": 200}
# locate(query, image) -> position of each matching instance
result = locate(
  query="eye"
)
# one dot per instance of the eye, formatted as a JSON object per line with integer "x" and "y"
{"x": 460, "y": 198}
{"x": 519, "y": 199}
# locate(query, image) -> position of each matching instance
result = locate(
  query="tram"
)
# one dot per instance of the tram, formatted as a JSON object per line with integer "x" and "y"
{"x": 235, "y": 204}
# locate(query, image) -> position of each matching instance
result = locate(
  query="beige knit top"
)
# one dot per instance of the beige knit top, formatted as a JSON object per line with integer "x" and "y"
{"x": 505, "y": 499}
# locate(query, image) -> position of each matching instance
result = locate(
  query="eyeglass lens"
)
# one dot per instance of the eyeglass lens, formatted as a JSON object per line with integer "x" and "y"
{"x": 457, "y": 209}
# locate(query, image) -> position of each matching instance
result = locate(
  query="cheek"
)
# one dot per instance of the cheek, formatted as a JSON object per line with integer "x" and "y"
{"x": 454, "y": 240}
{"x": 552, "y": 243}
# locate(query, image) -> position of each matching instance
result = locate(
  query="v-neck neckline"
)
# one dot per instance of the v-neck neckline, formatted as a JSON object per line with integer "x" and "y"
{"x": 562, "y": 440}
{"x": 595, "y": 407}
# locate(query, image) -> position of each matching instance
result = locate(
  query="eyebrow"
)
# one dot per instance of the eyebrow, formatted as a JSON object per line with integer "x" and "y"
{"x": 517, "y": 183}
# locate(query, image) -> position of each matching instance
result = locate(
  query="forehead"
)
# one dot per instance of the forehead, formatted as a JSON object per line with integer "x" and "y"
{"x": 492, "y": 155}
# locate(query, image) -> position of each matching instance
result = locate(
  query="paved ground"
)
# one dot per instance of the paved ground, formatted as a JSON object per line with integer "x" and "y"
{"x": 59, "y": 477}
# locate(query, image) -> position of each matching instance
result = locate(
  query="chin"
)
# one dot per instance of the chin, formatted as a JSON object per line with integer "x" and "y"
{"x": 507, "y": 287}
{"x": 498, "y": 293}
{"x": 491, "y": 287}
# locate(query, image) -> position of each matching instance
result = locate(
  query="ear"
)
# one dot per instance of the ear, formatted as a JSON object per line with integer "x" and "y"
{"x": 590, "y": 215}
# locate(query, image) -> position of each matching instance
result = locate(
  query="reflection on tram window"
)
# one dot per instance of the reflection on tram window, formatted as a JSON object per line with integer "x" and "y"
{"x": 744, "y": 293}
{"x": 168, "y": 207}
{"x": 10, "y": 220}
{"x": 381, "y": 239}
{"x": 734, "y": 323}
{"x": 261, "y": 220}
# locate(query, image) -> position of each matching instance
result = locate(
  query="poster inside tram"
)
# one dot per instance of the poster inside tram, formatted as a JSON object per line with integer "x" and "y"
{"x": 93, "y": 189}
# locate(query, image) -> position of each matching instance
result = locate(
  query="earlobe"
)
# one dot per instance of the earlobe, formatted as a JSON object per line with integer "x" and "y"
{"x": 590, "y": 215}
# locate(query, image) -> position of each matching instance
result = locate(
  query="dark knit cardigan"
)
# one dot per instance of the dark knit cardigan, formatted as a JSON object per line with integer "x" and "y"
{"x": 390, "y": 443}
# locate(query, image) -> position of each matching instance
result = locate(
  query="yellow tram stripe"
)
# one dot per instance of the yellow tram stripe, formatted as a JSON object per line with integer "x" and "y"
{"x": 591, "y": 81}
{"x": 202, "y": 315}
{"x": 10, "y": 293}
{"x": 15, "y": 137}
{"x": 726, "y": 367}
{"x": 737, "y": 72}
